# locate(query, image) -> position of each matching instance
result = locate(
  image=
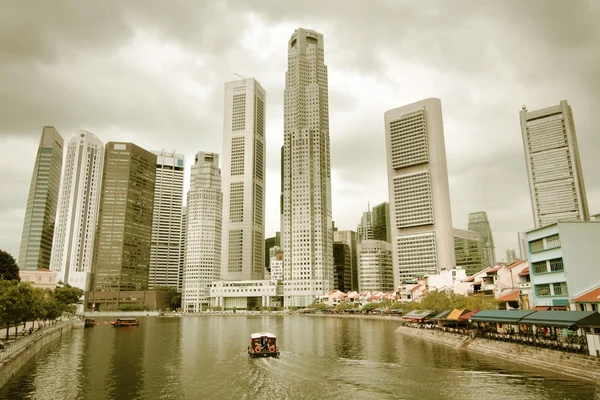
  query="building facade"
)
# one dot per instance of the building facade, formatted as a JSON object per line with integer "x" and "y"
{"x": 364, "y": 230}
{"x": 381, "y": 222}
{"x": 469, "y": 251}
{"x": 244, "y": 161}
{"x": 553, "y": 166}
{"x": 421, "y": 220}
{"x": 77, "y": 216}
{"x": 203, "y": 244}
{"x": 167, "y": 227}
{"x": 124, "y": 233}
{"x": 252, "y": 294}
{"x": 375, "y": 267}
{"x": 271, "y": 242}
{"x": 307, "y": 238}
{"x": 40, "y": 214}
{"x": 511, "y": 256}
{"x": 349, "y": 238}
{"x": 342, "y": 259}
{"x": 478, "y": 222}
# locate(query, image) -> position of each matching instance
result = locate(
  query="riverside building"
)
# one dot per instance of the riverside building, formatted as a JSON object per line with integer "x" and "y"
{"x": 243, "y": 247}
{"x": 553, "y": 166}
{"x": 167, "y": 226}
{"x": 375, "y": 268}
{"x": 478, "y": 222}
{"x": 202, "y": 264}
{"x": 307, "y": 238}
{"x": 40, "y": 214}
{"x": 77, "y": 216}
{"x": 421, "y": 221}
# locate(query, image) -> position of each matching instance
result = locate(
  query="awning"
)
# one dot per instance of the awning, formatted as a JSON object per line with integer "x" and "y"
{"x": 421, "y": 314}
{"x": 456, "y": 313}
{"x": 562, "y": 318}
{"x": 541, "y": 308}
{"x": 443, "y": 314}
{"x": 467, "y": 316}
{"x": 501, "y": 316}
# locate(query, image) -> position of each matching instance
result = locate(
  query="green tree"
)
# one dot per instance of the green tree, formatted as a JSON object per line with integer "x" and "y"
{"x": 12, "y": 303}
{"x": 9, "y": 271}
{"x": 175, "y": 302}
{"x": 67, "y": 296}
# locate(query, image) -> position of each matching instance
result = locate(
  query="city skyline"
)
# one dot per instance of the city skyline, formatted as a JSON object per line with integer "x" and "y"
{"x": 484, "y": 145}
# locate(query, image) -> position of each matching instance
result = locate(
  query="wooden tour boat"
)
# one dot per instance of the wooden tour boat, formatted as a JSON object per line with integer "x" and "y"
{"x": 89, "y": 322}
{"x": 263, "y": 344}
{"x": 120, "y": 322}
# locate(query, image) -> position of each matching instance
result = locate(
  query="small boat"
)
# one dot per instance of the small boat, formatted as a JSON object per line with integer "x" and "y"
{"x": 121, "y": 322}
{"x": 263, "y": 344}
{"x": 89, "y": 323}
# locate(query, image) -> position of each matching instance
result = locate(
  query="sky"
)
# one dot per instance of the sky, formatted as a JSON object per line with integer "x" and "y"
{"x": 153, "y": 73}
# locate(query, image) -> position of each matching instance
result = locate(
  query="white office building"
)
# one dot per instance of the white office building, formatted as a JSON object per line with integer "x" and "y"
{"x": 307, "y": 238}
{"x": 165, "y": 248}
{"x": 375, "y": 269}
{"x": 552, "y": 157}
{"x": 421, "y": 220}
{"x": 202, "y": 264}
{"x": 77, "y": 214}
{"x": 243, "y": 181}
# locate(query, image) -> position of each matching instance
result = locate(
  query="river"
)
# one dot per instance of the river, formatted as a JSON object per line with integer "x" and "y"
{"x": 322, "y": 357}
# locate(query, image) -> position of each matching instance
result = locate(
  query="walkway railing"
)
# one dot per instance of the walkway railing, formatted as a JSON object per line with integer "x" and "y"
{"x": 15, "y": 347}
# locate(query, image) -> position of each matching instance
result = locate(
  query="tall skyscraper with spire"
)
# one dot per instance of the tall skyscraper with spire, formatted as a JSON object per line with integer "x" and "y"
{"x": 553, "y": 166}
{"x": 478, "y": 222}
{"x": 202, "y": 264}
{"x": 421, "y": 220}
{"x": 306, "y": 224}
{"x": 243, "y": 247}
{"x": 77, "y": 216}
{"x": 40, "y": 214}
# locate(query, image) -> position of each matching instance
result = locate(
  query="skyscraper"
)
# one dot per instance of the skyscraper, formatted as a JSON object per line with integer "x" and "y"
{"x": 165, "y": 250}
{"x": 364, "y": 230}
{"x": 78, "y": 204}
{"x": 469, "y": 251}
{"x": 511, "y": 256}
{"x": 348, "y": 238}
{"x": 124, "y": 233}
{"x": 421, "y": 220}
{"x": 274, "y": 241}
{"x": 381, "y": 222}
{"x": 306, "y": 193}
{"x": 375, "y": 267}
{"x": 552, "y": 157}
{"x": 38, "y": 228}
{"x": 243, "y": 181}
{"x": 203, "y": 244}
{"x": 478, "y": 222}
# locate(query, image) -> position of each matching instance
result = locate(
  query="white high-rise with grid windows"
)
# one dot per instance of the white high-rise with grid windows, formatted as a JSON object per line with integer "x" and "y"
{"x": 202, "y": 264}
{"x": 420, "y": 216}
{"x": 553, "y": 167}
{"x": 307, "y": 232}
{"x": 243, "y": 248}
{"x": 77, "y": 214}
{"x": 165, "y": 248}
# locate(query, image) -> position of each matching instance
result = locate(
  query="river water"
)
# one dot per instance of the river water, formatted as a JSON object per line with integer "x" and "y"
{"x": 322, "y": 357}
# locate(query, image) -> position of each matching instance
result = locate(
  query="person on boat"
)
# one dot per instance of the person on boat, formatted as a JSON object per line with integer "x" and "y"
{"x": 257, "y": 347}
{"x": 271, "y": 346}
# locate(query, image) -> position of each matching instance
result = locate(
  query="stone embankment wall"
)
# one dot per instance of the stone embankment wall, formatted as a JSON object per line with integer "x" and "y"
{"x": 17, "y": 354}
{"x": 575, "y": 365}
{"x": 98, "y": 314}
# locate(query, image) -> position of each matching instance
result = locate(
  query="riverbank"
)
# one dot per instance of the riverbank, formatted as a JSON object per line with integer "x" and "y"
{"x": 99, "y": 314}
{"x": 573, "y": 365}
{"x": 15, "y": 356}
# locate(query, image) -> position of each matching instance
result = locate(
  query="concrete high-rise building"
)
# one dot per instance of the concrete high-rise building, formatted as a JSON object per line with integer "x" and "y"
{"x": 375, "y": 267}
{"x": 271, "y": 242}
{"x": 243, "y": 248}
{"x": 469, "y": 251}
{"x": 307, "y": 238}
{"x": 342, "y": 260}
{"x": 421, "y": 220}
{"x": 511, "y": 256}
{"x": 183, "y": 246}
{"x": 40, "y": 214}
{"x": 77, "y": 216}
{"x": 349, "y": 238}
{"x": 552, "y": 157}
{"x": 203, "y": 244}
{"x": 364, "y": 230}
{"x": 523, "y": 252}
{"x": 165, "y": 250}
{"x": 478, "y": 222}
{"x": 124, "y": 233}
{"x": 381, "y": 222}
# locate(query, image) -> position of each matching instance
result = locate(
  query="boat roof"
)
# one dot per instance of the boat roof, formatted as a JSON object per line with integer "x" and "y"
{"x": 258, "y": 335}
{"x": 127, "y": 319}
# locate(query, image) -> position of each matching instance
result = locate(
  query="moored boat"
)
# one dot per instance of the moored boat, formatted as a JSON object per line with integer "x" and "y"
{"x": 121, "y": 322}
{"x": 263, "y": 344}
{"x": 89, "y": 322}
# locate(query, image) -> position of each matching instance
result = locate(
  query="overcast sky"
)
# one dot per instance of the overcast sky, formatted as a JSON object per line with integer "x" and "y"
{"x": 153, "y": 73}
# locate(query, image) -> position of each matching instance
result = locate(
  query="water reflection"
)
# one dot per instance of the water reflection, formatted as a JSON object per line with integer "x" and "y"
{"x": 321, "y": 357}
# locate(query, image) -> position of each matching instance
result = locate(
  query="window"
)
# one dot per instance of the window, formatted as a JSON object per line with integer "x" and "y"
{"x": 560, "y": 289}
{"x": 542, "y": 290}
{"x": 552, "y": 242}
{"x": 557, "y": 265}
{"x": 539, "y": 267}
{"x": 536, "y": 245}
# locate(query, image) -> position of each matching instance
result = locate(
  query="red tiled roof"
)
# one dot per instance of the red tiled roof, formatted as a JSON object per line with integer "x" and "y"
{"x": 524, "y": 272}
{"x": 478, "y": 282}
{"x": 512, "y": 296}
{"x": 515, "y": 264}
{"x": 494, "y": 269}
{"x": 469, "y": 279}
{"x": 591, "y": 296}
{"x": 541, "y": 308}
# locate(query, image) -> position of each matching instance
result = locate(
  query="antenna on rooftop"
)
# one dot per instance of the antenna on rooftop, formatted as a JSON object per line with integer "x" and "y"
{"x": 238, "y": 75}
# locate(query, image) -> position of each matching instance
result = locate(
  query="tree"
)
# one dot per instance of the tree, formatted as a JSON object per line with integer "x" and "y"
{"x": 9, "y": 271}
{"x": 175, "y": 301}
{"x": 67, "y": 295}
